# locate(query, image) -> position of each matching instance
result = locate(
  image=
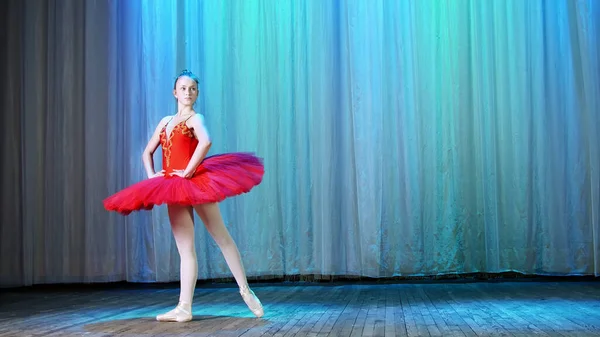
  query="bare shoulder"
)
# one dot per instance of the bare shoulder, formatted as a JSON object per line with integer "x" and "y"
{"x": 196, "y": 120}
{"x": 196, "y": 123}
{"x": 164, "y": 121}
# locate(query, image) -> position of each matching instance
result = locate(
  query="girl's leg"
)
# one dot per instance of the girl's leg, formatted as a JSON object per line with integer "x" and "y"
{"x": 182, "y": 225}
{"x": 212, "y": 219}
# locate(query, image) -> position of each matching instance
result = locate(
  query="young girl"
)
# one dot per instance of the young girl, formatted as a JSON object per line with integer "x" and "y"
{"x": 189, "y": 180}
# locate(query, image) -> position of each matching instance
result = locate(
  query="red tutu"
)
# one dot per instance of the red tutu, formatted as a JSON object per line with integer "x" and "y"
{"x": 216, "y": 178}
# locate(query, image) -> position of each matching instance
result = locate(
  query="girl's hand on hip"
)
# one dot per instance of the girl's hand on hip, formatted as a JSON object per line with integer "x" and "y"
{"x": 160, "y": 173}
{"x": 179, "y": 173}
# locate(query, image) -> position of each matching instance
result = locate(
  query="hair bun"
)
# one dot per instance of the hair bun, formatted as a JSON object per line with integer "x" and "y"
{"x": 186, "y": 73}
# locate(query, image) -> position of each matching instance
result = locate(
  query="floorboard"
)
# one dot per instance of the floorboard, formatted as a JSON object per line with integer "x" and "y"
{"x": 311, "y": 309}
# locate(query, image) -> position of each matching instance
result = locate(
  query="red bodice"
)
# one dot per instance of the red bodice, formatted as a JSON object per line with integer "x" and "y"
{"x": 178, "y": 147}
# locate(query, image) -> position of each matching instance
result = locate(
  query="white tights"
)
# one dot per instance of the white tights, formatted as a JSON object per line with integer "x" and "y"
{"x": 182, "y": 224}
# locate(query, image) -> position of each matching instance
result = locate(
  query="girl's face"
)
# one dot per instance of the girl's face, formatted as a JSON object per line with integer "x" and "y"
{"x": 186, "y": 91}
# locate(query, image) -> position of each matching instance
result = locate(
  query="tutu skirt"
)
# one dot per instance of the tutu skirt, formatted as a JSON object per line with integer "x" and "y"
{"x": 216, "y": 178}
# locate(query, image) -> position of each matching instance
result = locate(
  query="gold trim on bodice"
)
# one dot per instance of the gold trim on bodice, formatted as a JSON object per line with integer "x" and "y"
{"x": 167, "y": 143}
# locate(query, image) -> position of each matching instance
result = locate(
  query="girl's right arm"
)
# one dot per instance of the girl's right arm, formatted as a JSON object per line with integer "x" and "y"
{"x": 153, "y": 144}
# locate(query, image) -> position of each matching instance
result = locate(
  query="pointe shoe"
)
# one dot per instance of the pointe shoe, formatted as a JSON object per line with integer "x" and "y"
{"x": 179, "y": 314}
{"x": 252, "y": 301}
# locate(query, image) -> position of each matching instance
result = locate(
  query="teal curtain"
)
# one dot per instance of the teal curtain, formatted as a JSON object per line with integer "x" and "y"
{"x": 400, "y": 138}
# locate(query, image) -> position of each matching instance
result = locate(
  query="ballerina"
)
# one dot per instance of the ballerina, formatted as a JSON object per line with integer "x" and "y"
{"x": 191, "y": 181}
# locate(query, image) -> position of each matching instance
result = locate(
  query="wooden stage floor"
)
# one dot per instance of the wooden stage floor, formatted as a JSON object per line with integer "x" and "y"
{"x": 510, "y": 308}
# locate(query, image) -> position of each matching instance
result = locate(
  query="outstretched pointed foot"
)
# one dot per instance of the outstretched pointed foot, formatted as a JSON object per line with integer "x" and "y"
{"x": 252, "y": 301}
